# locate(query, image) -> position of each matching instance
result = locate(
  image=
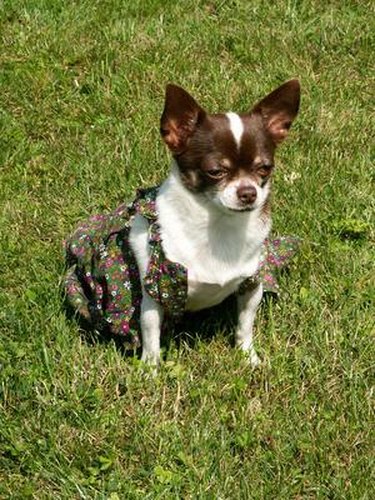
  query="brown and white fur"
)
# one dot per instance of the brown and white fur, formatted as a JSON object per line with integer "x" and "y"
{"x": 214, "y": 208}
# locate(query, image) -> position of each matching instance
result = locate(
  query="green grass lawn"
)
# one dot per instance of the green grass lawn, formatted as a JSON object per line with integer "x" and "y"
{"x": 81, "y": 91}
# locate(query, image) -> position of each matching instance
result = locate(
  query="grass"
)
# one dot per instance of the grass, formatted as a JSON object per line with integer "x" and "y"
{"x": 82, "y": 86}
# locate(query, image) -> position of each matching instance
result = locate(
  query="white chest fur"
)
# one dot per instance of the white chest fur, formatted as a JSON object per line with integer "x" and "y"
{"x": 219, "y": 249}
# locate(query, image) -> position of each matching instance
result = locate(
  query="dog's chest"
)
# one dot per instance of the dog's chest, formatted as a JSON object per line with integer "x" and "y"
{"x": 214, "y": 279}
{"x": 203, "y": 295}
{"x": 217, "y": 261}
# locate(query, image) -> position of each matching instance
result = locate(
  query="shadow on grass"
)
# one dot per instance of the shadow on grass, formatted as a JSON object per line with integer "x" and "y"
{"x": 203, "y": 325}
{"x": 93, "y": 335}
{"x": 193, "y": 328}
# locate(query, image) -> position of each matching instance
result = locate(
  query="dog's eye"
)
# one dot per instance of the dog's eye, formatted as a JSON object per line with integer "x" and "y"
{"x": 265, "y": 170}
{"x": 216, "y": 173}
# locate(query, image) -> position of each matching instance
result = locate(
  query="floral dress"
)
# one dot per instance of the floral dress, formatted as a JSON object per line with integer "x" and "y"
{"x": 103, "y": 284}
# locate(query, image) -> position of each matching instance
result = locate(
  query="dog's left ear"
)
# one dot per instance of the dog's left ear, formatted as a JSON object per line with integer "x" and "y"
{"x": 279, "y": 108}
{"x": 180, "y": 118}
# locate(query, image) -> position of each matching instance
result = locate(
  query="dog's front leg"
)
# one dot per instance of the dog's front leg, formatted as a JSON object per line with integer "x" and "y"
{"x": 151, "y": 312}
{"x": 151, "y": 322}
{"x": 248, "y": 303}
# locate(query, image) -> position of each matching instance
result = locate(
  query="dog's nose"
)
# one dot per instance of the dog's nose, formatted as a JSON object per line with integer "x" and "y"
{"x": 247, "y": 194}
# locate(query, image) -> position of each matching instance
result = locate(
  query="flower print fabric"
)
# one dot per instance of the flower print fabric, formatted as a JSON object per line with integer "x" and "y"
{"x": 275, "y": 255}
{"x": 103, "y": 284}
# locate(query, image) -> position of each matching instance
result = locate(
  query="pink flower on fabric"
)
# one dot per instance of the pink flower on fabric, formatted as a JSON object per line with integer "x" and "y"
{"x": 125, "y": 327}
{"x": 72, "y": 289}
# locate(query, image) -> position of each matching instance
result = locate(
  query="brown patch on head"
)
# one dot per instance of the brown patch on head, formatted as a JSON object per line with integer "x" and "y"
{"x": 205, "y": 149}
{"x": 257, "y": 149}
{"x": 209, "y": 155}
{"x": 213, "y": 157}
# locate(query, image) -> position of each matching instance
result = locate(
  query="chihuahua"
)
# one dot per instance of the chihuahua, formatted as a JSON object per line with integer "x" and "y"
{"x": 214, "y": 207}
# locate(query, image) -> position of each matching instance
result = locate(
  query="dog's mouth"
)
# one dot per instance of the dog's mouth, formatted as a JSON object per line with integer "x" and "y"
{"x": 238, "y": 210}
{"x": 230, "y": 206}
{"x": 241, "y": 209}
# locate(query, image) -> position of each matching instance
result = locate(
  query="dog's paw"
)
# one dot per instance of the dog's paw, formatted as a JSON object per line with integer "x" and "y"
{"x": 251, "y": 356}
{"x": 151, "y": 363}
{"x": 151, "y": 358}
{"x": 254, "y": 359}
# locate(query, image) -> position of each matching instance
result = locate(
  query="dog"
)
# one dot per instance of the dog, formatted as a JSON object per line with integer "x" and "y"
{"x": 214, "y": 208}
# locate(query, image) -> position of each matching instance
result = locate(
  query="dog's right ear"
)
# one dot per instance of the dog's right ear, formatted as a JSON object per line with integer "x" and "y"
{"x": 279, "y": 109}
{"x": 180, "y": 117}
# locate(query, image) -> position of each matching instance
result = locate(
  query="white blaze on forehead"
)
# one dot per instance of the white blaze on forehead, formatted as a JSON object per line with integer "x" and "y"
{"x": 236, "y": 127}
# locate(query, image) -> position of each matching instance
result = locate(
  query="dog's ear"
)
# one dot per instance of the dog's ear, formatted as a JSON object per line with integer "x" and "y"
{"x": 279, "y": 108}
{"x": 181, "y": 116}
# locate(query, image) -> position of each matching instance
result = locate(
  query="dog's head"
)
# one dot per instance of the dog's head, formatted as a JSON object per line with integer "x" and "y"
{"x": 228, "y": 157}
